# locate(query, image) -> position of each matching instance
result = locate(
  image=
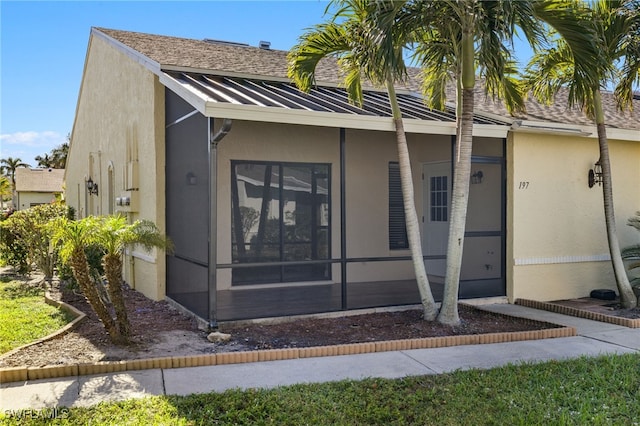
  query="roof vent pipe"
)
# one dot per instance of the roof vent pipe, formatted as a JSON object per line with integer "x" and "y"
{"x": 266, "y": 45}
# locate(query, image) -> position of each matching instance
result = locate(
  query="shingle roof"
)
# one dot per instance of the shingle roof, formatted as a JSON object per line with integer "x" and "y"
{"x": 39, "y": 180}
{"x": 175, "y": 53}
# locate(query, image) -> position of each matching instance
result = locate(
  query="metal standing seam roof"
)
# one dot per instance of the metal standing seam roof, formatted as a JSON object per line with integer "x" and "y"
{"x": 263, "y": 93}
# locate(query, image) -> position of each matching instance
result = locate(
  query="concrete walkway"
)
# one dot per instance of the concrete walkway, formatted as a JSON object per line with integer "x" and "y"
{"x": 594, "y": 338}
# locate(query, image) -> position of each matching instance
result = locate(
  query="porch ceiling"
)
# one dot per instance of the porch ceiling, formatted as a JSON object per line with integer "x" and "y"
{"x": 273, "y": 101}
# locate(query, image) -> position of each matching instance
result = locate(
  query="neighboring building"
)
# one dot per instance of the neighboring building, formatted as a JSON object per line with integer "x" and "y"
{"x": 37, "y": 186}
{"x": 283, "y": 203}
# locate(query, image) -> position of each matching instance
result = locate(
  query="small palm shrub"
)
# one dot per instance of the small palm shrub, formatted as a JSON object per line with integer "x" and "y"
{"x": 110, "y": 236}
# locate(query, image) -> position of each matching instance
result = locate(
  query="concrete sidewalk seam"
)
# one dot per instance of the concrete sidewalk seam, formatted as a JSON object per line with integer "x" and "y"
{"x": 611, "y": 343}
{"x": 432, "y": 371}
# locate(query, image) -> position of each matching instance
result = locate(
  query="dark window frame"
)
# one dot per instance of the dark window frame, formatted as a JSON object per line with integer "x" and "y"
{"x": 294, "y": 273}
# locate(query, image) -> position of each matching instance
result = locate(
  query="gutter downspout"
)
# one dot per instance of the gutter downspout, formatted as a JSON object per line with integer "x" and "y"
{"x": 132, "y": 262}
{"x": 215, "y": 138}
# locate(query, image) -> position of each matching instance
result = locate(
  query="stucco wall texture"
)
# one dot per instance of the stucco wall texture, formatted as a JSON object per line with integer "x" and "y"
{"x": 120, "y": 124}
{"x": 557, "y": 245}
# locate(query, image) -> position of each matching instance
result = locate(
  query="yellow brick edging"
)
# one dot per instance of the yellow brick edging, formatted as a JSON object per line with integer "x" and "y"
{"x": 17, "y": 374}
{"x": 580, "y": 313}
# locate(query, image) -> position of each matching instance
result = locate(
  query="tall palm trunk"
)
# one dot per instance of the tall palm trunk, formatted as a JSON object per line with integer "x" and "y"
{"x": 627, "y": 297}
{"x": 411, "y": 218}
{"x": 460, "y": 192}
{"x": 113, "y": 270}
{"x": 80, "y": 268}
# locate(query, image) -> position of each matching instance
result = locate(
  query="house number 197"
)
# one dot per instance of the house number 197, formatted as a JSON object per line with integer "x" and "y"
{"x": 523, "y": 185}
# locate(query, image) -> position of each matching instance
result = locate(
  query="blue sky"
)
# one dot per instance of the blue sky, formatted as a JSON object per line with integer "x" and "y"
{"x": 43, "y": 47}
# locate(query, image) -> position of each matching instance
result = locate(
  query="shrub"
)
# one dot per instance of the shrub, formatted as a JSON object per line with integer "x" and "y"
{"x": 13, "y": 251}
{"x": 26, "y": 241}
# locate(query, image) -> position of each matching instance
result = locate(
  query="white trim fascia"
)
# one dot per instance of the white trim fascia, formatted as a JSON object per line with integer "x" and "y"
{"x": 591, "y": 132}
{"x": 632, "y": 135}
{"x": 526, "y": 126}
{"x": 340, "y": 120}
{"x": 195, "y": 98}
{"x": 491, "y": 130}
{"x": 558, "y": 260}
{"x": 138, "y": 57}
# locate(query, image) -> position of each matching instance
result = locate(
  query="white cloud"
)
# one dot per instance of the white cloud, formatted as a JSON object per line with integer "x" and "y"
{"x": 27, "y": 145}
{"x": 46, "y": 139}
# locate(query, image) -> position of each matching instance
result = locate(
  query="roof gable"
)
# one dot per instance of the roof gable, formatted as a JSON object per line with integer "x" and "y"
{"x": 39, "y": 180}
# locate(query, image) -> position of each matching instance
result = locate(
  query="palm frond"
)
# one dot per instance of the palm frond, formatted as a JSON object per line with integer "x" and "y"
{"x": 635, "y": 221}
{"x": 327, "y": 39}
{"x": 631, "y": 253}
{"x": 630, "y": 50}
{"x": 573, "y": 20}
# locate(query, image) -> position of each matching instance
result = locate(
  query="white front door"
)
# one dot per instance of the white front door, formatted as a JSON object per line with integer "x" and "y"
{"x": 437, "y": 205}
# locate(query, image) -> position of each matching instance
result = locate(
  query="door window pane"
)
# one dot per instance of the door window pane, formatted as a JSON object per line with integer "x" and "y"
{"x": 439, "y": 198}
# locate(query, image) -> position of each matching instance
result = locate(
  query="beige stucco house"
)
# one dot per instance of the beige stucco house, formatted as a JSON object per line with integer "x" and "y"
{"x": 283, "y": 203}
{"x": 37, "y": 186}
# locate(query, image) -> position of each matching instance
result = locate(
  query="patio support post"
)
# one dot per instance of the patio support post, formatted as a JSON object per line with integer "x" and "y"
{"x": 215, "y": 138}
{"x": 343, "y": 222}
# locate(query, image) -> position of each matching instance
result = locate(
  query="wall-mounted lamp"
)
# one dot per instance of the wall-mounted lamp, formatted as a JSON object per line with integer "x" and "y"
{"x": 192, "y": 179}
{"x": 595, "y": 175}
{"x": 92, "y": 187}
{"x": 477, "y": 177}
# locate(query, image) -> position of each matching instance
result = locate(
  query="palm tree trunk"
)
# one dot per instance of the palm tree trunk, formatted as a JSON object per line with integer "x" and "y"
{"x": 81, "y": 273}
{"x": 411, "y": 218}
{"x": 460, "y": 192}
{"x": 627, "y": 297}
{"x": 113, "y": 271}
{"x": 457, "y": 221}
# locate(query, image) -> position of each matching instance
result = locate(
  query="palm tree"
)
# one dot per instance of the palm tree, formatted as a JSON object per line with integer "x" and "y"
{"x": 366, "y": 45}
{"x": 584, "y": 68}
{"x": 9, "y": 166}
{"x": 59, "y": 155}
{"x": 459, "y": 39}
{"x": 114, "y": 235}
{"x": 44, "y": 161}
{"x": 74, "y": 237}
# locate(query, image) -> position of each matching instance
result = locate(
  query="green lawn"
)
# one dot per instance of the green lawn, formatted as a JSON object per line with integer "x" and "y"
{"x": 24, "y": 316}
{"x": 588, "y": 391}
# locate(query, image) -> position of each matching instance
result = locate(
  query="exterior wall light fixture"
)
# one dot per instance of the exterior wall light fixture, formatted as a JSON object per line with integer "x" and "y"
{"x": 477, "y": 177}
{"x": 92, "y": 187}
{"x": 595, "y": 175}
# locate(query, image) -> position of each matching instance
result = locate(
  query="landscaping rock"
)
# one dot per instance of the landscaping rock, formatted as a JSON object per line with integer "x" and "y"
{"x": 217, "y": 337}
